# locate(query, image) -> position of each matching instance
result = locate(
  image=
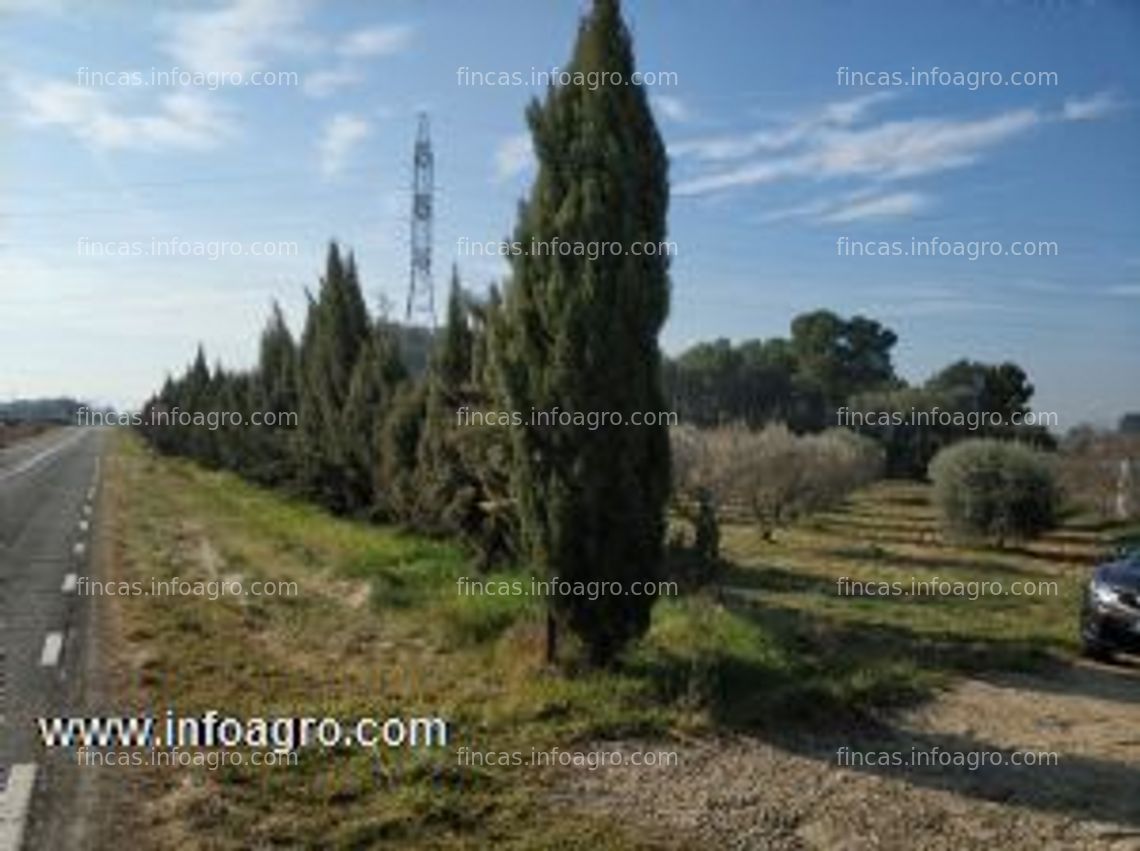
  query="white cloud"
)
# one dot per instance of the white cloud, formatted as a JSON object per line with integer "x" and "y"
{"x": 183, "y": 119}
{"x": 376, "y": 41}
{"x": 1125, "y": 290}
{"x": 716, "y": 148}
{"x": 55, "y": 102}
{"x": 829, "y": 142}
{"x": 39, "y": 7}
{"x": 356, "y": 46}
{"x": 1090, "y": 108}
{"x": 837, "y": 114}
{"x": 238, "y": 37}
{"x": 323, "y": 83}
{"x": 891, "y": 205}
{"x": 892, "y": 150}
{"x": 341, "y": 134}
{"x": 672, "y": 107}
{"x": 917, "y": 146}
{"x": 845, "y": 113}
{"x": 765, "y": 171}
{"x": 514, "y": 156}
{"x": 807, "y": 210}
{"x": 852, "y": 207}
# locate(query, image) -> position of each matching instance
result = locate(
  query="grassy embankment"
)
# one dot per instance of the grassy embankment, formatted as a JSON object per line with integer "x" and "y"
{"x": 377, "y": 629}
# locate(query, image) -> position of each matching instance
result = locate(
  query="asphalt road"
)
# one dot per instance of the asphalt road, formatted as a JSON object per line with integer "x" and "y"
{"x": 48, "y": 505}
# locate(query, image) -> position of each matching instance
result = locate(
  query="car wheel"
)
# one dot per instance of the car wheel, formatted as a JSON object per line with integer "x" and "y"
{"x": 1093, "y": 649}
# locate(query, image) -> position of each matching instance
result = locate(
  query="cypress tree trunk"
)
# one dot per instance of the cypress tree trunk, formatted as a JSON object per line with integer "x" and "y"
{"x": 551, "y": 638}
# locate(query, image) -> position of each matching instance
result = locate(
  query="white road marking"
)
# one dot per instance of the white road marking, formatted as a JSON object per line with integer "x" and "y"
{"x": 83, "y": 524}
{"x": 14, "y": 803}
{"x": 87, "y": 510}
{"x": 40, "y": 456}
{"x": 91, "y": 494}
{"x": 53, "y": 646}
{"x": 69, "y": 583}
{"x": 79, "y": 549}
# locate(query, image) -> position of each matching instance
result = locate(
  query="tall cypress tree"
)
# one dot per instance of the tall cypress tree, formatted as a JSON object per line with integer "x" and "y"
{"x": 378, "y": 372}
{"x": 274, "y": 389}
{"x": 453, "y": 357}
{"x": 444, "y": 485}
{"x": 336, "y": 329}
{"x": 581, "y": 335}
{"x": 306, "y": 443}
{"x": 197, "y": 396}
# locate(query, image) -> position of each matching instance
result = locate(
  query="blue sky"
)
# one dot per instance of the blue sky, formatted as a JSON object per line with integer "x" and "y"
{"x": 773, "y": 159}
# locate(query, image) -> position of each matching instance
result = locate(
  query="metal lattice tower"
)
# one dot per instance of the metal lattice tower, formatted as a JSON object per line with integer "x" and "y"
{"x": 421, "y": 292}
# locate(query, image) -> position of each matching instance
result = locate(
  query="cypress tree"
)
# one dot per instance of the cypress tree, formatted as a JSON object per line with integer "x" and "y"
{"x": 196, "y": 396}
{"x": 453, "y": 358}
{"x": 306, "y": 444}
{"x": 581, "y": 335}
{"x": 274, "y": 389}
{"x": 235, "y": 443}
{"x": 445, "y": 487}
{"x": 277, "y": 364}
{"x": 335, "y": 332}
{"x": 378, "y": 372}
{"x": 401, "y": 434}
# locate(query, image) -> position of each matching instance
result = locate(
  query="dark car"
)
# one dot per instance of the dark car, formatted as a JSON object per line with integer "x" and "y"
{"x": 1110, "y": 613}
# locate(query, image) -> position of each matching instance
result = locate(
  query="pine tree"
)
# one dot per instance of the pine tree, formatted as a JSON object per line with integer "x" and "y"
{"x": 581, "y": 335}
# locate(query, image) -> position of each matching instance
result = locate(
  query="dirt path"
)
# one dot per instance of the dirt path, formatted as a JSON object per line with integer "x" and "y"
{"x": 744, "y": 792}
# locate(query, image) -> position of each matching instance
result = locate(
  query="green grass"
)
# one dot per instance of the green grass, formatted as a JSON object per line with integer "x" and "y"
{"x": 379, "y": 628}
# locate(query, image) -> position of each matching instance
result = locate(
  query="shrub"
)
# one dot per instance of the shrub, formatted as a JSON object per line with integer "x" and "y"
{"x": 774, "y": 475}
{"x": 995, "y": 489}
{"x": 693, "y": 554}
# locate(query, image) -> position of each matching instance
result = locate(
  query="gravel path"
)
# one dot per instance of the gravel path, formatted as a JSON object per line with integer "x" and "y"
{"x": 744, "y": 792}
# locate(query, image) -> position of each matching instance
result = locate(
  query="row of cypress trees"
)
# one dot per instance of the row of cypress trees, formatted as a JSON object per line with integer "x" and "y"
{"x": 340, "y": 420}
{"x": 568, "y": 332}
